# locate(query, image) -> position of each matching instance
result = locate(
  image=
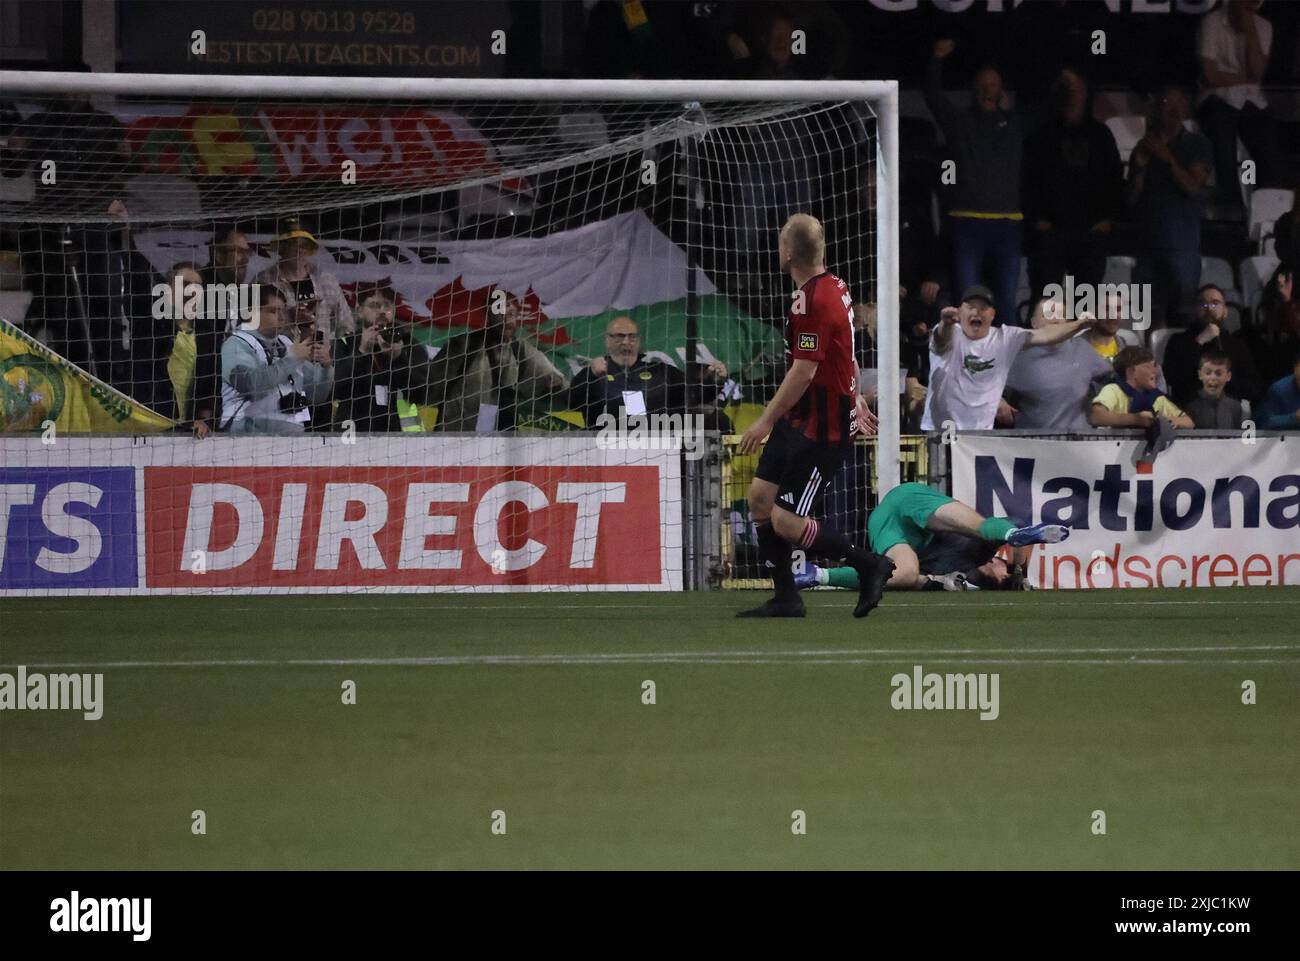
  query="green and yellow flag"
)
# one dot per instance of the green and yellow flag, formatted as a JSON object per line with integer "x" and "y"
{"x": 37, "y": 385}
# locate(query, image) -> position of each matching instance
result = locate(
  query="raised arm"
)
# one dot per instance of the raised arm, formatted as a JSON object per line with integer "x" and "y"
{"x": 1055, "y": 333}
{"x": 944, "y": 112}
{"x": 243, "y": 369}
{"x": 942, "y": 338}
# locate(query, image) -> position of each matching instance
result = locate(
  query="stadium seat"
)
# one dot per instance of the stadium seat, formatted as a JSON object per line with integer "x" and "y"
{"x": 1159, "y": 341}
{"x": 1119, "y": 270}
{"x": 1217, "y": 271}
{"x": 14, "y": 305}
{"x": 1265, "y": 207}
{"x": 1255, "y": 274}
{"x": 1127, "y": 131}
{"x": 1247, "y": 190}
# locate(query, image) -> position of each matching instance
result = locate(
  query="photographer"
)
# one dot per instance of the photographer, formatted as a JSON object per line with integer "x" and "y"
{"x": 268, "y": 379}
{"x": 377, "y": 387}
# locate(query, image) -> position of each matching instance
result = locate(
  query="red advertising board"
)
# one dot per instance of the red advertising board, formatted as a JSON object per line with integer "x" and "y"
{"x": 421, "y": 526}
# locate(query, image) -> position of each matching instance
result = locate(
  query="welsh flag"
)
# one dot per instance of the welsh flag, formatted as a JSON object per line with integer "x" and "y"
{"x": 572, "y": 283}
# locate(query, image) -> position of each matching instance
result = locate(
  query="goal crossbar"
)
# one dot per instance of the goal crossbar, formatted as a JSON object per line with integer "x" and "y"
{"x": 440, "y": 88}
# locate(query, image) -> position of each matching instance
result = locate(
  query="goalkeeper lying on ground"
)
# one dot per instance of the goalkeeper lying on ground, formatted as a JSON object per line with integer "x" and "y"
{"x": 937, "y": 542}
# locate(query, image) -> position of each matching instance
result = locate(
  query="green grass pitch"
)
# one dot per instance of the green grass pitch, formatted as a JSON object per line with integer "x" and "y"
{"x": 1124, "y": 702}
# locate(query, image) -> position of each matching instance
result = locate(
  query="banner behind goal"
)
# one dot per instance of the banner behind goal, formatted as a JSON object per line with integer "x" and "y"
{"x": 441, "y": 335}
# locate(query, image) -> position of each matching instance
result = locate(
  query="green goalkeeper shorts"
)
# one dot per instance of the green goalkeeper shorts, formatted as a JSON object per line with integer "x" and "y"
{"x": 902, "y": 516}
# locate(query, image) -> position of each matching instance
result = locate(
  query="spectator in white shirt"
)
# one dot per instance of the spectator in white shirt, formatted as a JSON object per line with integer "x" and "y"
{"x": 1233, "y": 47}
{"x": 970, "y": 360}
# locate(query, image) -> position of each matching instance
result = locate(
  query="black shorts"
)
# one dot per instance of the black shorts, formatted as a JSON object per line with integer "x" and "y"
{"x": 801, "y": 469}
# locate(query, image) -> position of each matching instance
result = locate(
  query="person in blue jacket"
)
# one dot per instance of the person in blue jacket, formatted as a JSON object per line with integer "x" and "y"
{"x": 1280, "y": 408}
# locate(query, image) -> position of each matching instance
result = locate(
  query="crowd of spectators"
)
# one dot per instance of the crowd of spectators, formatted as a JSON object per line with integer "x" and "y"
{"x": 1038, "y": 190}
{"x": 310, "y": 359}
{"x": 1028, "y": 186}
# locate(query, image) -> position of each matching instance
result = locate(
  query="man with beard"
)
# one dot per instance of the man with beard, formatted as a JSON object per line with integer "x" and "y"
{"x": 1184, "y": 350}
{"x": 626, "y": 378}
{"x": 377, "y": 385}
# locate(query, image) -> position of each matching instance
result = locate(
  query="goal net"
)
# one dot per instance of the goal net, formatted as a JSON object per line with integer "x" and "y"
{"x": 439, "y": 335}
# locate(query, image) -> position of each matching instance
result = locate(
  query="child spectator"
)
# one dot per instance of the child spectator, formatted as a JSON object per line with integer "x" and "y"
{"x": 1212, "y": 409}
{"x": 180, "y": 360}
{"x": 1132, "y": 398}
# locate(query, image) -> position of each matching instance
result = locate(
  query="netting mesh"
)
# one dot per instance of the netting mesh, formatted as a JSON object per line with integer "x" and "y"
{"x": 479, "y": 267}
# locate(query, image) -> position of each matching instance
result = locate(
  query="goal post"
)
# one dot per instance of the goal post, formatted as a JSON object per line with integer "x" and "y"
{"x": 479, "y": 187}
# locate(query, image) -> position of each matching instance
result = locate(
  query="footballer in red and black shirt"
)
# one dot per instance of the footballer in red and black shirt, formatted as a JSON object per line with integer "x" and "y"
{"x": 809, "y": 427}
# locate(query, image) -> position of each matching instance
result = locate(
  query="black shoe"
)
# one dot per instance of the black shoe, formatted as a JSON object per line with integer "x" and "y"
{"x": 776, "y": 608}
{"x": 874, "y": 572}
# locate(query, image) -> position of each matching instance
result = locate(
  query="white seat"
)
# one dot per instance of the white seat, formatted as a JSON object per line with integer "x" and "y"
{"x": 1159, "y": 340}
{"x": 1245, "y": 190}
{"x": 1255, "y": 274}
{"x": 1265, "y": 207}
{"x": 14, "y": 305}
{"x": 1127, "y": 131}
{"x": 1119, "y": 270}
{"x": 1217, "y": 271}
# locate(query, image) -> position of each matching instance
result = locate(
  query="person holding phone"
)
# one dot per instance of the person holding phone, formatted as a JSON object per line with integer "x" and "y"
{"x": 271, "y": 381}
{"x": 379, "y": 385}
{"x": 310, "y": 289}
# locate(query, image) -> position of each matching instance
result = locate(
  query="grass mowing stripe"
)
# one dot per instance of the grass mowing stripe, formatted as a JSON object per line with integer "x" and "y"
{"x": 508, "y": 660}
{"x": 836, "y": 652}
{"x": 525, "y": 608}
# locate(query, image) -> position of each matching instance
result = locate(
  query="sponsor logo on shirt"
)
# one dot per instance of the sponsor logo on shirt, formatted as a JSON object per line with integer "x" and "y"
{"x": 807, "y": 341}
